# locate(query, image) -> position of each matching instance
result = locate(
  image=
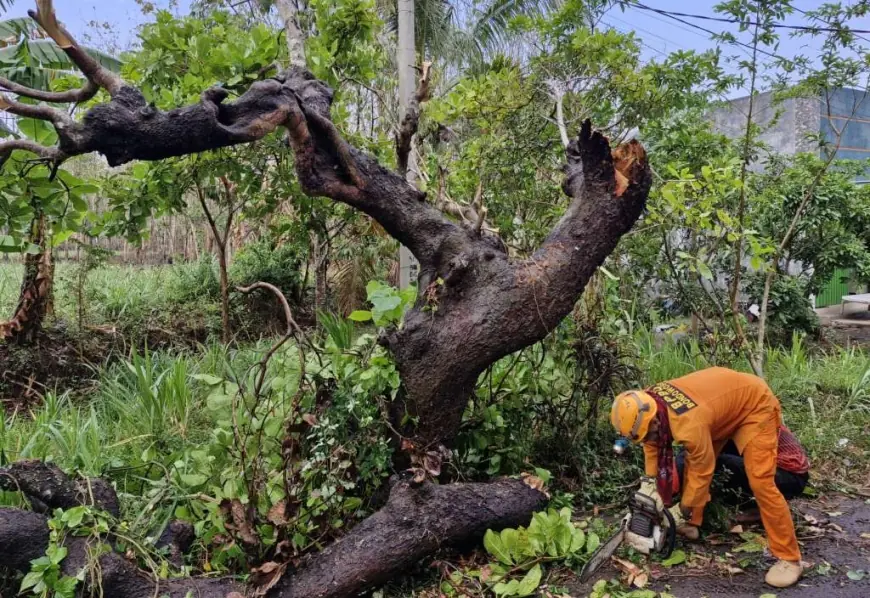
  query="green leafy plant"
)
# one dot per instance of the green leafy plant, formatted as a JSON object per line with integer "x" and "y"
{"x": 388, "y": 304}
{"x": 519, "y": 552}
{"x": 45, "y": 578}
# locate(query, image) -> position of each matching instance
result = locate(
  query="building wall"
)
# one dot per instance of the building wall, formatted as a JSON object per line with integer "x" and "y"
{"x": 794, "y": 119}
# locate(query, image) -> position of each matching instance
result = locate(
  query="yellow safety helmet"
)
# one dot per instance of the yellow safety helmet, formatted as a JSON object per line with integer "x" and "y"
{"x": 632, "y": 413}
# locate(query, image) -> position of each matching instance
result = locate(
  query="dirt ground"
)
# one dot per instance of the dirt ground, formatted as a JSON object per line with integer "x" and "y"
{"x": 830, "y": 531}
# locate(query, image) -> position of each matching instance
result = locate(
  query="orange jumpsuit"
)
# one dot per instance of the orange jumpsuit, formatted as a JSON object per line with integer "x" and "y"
{"x": 706, "y": 409}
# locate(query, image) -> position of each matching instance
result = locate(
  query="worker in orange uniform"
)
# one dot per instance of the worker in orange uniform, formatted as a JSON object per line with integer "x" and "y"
{"x": 702, "y": 412}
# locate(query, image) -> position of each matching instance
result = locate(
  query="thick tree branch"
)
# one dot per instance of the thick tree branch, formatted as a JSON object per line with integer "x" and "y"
{"x": 75, "y": 96}
{"x": 40, "y": 111}
{"x": 491, "y": 306}
{"x": 46, "y": 483}
{"x": 47, "y": 153}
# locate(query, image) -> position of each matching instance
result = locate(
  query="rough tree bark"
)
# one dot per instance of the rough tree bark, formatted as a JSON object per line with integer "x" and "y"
{"x": 489, "y": 305}
{"x": 34, "y": 298}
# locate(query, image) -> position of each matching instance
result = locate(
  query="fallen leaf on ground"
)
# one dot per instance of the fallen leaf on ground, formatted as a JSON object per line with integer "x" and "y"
{"x": 485, "y": 572}
{"x": 857, "y": 575}
{"x": 865, "y": 535}
{"x": 767, "y": 596}
{"x": 737, "y": 529}
{"x": 753, "y": 543}
{"x": 836, "y": 527}
{"x": 678, "y": 557}
{"x": 534, "y": 482}
{"x": 834, "y": 513}
{"x": 264, "y": 577}
{"x": 276, "y": 513}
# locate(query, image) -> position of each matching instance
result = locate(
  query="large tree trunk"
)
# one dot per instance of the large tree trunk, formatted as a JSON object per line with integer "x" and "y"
{"x": 34, "y": 299}
{"x": 416, "y": 521}
{"x": 489, "y": 305}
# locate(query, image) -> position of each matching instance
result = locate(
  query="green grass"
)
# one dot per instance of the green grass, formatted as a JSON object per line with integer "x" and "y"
{"x": 131, "y": 298}
{"x": 110, "y": 292}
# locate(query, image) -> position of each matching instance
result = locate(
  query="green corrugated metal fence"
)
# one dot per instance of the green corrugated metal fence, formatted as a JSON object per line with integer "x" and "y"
{"x": 832, "y": 293}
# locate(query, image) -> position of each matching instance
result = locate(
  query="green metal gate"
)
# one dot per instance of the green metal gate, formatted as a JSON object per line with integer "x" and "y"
{"x": 832, "y": 293}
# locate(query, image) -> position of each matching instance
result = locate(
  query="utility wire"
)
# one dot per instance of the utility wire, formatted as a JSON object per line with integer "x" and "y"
{"x": 642, "y": 43}
{"x": 715, "y": 34}
{"x": 647, "y": 31}
{"x": 837, "y": 29}
{"x": 811, "y": 28}
{"x": 670, "y": 23}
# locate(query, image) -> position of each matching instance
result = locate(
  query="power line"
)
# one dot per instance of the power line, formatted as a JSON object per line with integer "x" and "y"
{"x": 648, "y": 32}
{"x": 810, "y": 28}
{"x": 818, "y": 18}
{"x": 671, "y": 23}
{"x": 715, "y": 34}
{"x": 643, "y": 43}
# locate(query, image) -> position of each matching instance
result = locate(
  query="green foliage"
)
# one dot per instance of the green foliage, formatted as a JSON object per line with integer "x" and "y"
{"x": 344, "y": 43}
{"x": 29, "y": 190}
{"x": 551, "y": 535}
{"x": 263, "y": 261}
{"x": 179, "y": 58}
{"x": 604, "y": 588}
{"x": 388, "y": 304}
{"x": 45, "y": 578}
{"x": 790, "y": 309}
{"x": 196, "y": 281}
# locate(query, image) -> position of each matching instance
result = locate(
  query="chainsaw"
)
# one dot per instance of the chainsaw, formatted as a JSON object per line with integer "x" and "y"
{"x": 645, "y": 527}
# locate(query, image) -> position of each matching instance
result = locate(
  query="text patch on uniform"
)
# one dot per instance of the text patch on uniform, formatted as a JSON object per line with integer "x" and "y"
{"x": 675, "y": 398}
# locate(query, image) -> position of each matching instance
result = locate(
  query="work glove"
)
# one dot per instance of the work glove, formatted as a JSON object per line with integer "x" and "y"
{"x": 649, "y": 488}
{"x": 684, "y": 528}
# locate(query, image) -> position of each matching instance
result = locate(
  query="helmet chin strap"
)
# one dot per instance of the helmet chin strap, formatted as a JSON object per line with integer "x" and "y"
{"x": 641, "y": 409}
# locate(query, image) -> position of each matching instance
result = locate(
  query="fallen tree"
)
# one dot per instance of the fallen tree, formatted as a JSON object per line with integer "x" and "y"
{"x": 417, "y": 520}
{"x": 489, "y": 305}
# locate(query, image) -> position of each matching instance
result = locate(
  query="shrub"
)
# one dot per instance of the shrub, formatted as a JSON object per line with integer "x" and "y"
{"x": 196, "y": 281}
{"x": 264, "y": 262}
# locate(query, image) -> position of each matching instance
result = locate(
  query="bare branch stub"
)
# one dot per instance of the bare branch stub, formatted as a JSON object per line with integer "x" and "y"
{"x": 411, "y": 119}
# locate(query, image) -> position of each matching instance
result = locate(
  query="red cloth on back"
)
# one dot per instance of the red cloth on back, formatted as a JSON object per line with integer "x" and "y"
{"x": 791, "y": 456}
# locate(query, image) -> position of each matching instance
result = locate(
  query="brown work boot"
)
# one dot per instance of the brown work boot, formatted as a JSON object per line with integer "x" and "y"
{"x": 784, "y": 574}
{"x": 689, "y": 531}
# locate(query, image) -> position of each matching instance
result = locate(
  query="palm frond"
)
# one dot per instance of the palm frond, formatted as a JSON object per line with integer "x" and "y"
{"x": 350, "y": 283}
{"x": 13, "y": 31}
{"x": 435, "y": 24}
{"x": 5, "y": 4}
{"x": 46, "y": 54}
{"x": 491, "y": 26}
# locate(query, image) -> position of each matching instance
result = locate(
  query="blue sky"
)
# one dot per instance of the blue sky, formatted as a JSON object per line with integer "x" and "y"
{"x": 659, "y": 34}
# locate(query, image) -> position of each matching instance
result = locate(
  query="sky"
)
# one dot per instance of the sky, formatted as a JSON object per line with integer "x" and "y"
{"x": 659, "y": 34}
